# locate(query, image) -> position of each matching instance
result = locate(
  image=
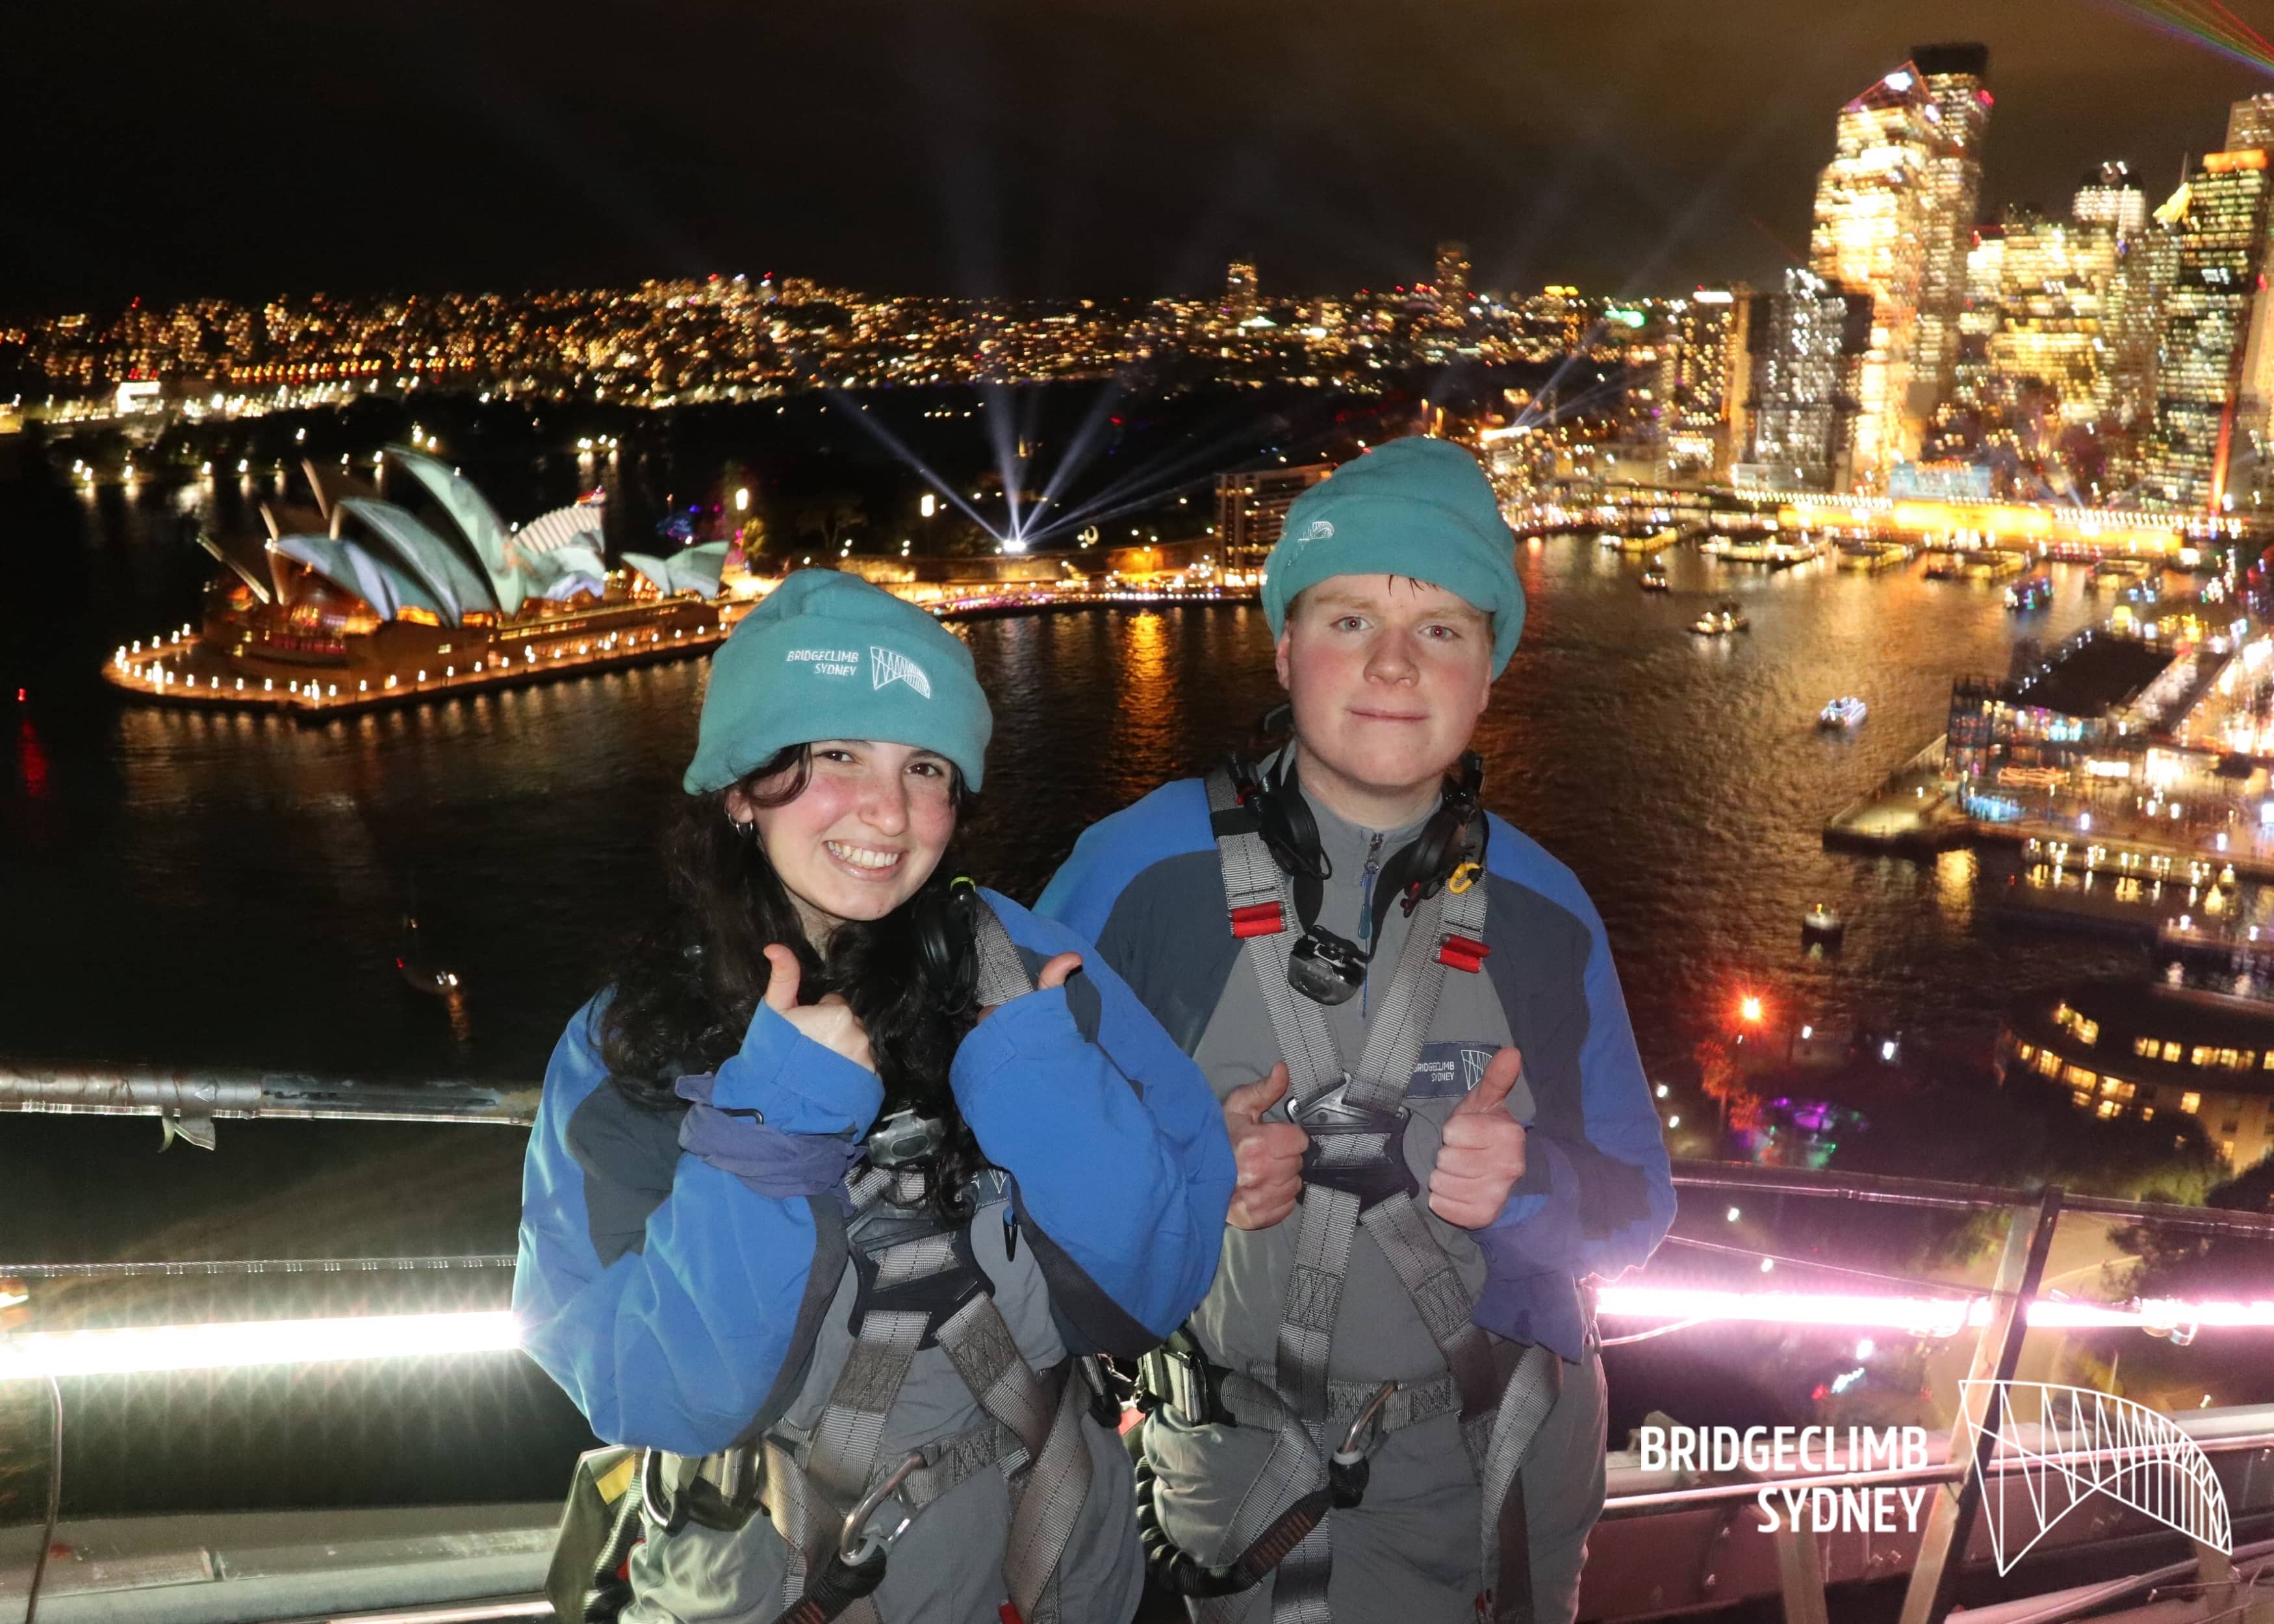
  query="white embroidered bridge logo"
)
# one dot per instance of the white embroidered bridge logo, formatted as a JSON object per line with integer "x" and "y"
{"x": 1319, "y": 529}
{"x": 2069, "y": 1444}
{"x": 886, "y": 667}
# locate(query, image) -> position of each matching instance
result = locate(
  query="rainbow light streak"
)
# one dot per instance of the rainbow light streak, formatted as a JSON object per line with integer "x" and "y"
{"x": 1922, "y": 1315}
{"x": 2206, "y": 23}
{"x": 241, "y": 1344}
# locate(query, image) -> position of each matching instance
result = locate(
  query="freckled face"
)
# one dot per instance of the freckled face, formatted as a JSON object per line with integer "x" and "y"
{"x": 1388, "y": 677}
{"x": 865, "y": 833}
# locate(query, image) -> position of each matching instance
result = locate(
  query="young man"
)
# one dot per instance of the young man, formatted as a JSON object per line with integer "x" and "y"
{"x": 1339, "y": 935}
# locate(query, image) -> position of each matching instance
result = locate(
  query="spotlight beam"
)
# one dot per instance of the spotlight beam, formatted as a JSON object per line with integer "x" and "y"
{"x": 892, "y": 443}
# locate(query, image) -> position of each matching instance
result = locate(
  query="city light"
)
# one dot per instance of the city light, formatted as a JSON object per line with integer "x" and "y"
{"x": 242, "y": 1344}
{"x": 1924, "y": 1316}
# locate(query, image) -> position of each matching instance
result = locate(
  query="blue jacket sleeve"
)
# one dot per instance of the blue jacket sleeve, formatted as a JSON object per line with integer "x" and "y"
{"x": 1116, "y": 1148}
{"x": 1545, "y": 1226}
{"x": 673, "y": 1303}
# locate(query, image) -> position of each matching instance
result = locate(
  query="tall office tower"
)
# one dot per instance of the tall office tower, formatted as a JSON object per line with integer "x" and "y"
{"x": 2053, "y": 296}
{"x": 1239, "y": 291}
{"x": 2250, "y": 124}
{"x": 1954, "y": 78}
{"x": 1452, "y": 282}
{"x": 2211, "y": 388}
{"x": 2112, "y": 196}
{"x": 1702, "y": 377}
{"x": 1810, "y": 345}
{"x": 1894, "y": 219}
{"x": 1978, "y": 323}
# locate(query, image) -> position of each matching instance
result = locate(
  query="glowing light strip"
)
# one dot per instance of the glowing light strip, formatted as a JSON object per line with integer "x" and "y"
{"x": 245, "y": 1343}
{"x": 1922, "y": 1316}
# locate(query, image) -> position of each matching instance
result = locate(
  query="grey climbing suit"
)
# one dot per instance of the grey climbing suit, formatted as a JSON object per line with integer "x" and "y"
{"x": 1356, "y": 1181}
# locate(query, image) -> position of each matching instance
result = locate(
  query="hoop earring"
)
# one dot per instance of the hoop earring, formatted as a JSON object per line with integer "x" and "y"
{"x": 746, "y": 832}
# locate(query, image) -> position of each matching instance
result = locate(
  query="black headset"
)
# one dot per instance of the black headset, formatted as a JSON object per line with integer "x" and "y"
{"x": 947, "y": 926}
{"x": 1322, "y": 965}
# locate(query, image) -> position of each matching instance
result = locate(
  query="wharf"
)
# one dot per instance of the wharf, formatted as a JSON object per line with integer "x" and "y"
{"x": 190, "y": 671}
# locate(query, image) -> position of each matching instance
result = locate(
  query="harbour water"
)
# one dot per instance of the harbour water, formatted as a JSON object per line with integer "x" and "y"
{"x": 189, "y": 888}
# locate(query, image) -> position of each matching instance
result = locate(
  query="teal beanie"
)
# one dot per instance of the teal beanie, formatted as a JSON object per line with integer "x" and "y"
{"x": 828, "y": 656}
{"x": 1418, "y": 507}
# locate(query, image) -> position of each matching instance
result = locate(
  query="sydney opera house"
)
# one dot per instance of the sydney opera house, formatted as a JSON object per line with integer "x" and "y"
{"x": 363, "y": 598}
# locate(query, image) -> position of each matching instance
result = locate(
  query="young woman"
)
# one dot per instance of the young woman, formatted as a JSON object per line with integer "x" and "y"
{"x": 831, "y": 1190}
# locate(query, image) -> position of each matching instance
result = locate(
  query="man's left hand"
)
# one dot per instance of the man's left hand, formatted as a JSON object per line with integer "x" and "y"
{"x": 1054, "y": 974}
{"x": 1482, "y": 1153}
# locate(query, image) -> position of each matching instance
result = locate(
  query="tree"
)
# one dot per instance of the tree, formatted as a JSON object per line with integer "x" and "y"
{"x": 832, "y": 518}
{"x": 1725, "y": 1086}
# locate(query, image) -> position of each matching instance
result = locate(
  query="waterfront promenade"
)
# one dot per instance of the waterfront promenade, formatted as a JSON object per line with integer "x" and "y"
{"x": 182, "y": 667}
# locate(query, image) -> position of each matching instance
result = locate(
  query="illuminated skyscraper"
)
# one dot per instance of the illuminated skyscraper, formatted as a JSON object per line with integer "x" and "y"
{"x": 2250, "y": 124}
{"x": 1239, "y": 291}
{"x": 1809, "y": 344}
{"x": 1704, "y": 379}
{"x": 2211, "y": 388}
{"x": 2111, "y": 196}
{"x": 1894, "y": 219}
{"x": 1453, "y": 278}
{"x": 2051, "y": 304}
{"x": 1954, "y": 78}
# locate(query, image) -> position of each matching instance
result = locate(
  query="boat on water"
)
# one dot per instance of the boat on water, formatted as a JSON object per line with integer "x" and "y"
{"x": 1822, "y": 923}
{"x": 1653, "y": 579}
{"x": 1844, "y": 713}
{"x": 2030, "y": 592}
{"x": 2113, "y": 574}
{"x": 1722, "y": 619}
{"x": 418, "y": 968}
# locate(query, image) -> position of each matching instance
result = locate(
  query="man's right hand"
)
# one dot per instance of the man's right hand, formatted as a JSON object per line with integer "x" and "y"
{"x": 829, "y": 1020}
{"x": 1268, "y": 1154}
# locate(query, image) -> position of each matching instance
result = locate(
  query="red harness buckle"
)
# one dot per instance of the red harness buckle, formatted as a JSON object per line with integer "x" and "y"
{"x": 1258, "y": 919}
{"x": 1463, "y": 953}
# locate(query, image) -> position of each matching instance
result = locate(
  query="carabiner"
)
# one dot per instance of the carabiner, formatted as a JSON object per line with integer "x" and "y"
{"x": 1463, "y": 877}
{"x": 1350, "y": 1454}
{"x": 855, "y": 1546}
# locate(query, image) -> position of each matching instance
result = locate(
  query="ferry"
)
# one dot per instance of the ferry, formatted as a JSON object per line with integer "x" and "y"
{"x": 1722, "y": 619}
{"x": 1843, "y": 712}
{"x": 2113, "y": 574}
{"x": 1653, "y": 579}
{"x": 2030, "y": 592}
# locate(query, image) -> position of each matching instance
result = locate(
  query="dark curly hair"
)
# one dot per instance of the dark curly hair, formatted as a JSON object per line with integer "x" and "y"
{"x": 685, "y": 987}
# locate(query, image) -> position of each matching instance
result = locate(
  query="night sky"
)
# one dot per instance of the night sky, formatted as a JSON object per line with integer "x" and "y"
{"x": 1049, "y": 147}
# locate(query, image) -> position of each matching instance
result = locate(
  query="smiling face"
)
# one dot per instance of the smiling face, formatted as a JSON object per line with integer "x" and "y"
{"x": 1388, "y": 677}
{"x": 863, "y": 835}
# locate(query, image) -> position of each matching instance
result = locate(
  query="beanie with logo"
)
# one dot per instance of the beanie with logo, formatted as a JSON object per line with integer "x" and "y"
{"x": 1419, "y": 507}
{"x": 828, "y": 656}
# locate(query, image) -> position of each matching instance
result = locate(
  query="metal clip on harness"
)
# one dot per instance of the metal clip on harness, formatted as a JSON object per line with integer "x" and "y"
{"x": 856, "y": 1568}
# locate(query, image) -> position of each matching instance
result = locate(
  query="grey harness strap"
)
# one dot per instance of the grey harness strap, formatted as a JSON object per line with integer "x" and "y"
{"x": 1033, "y": 1434}
{"x": 1356, "y": 1119}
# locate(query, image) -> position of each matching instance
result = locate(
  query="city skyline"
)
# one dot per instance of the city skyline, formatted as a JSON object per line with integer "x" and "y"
{"x": 1010, "y": 152}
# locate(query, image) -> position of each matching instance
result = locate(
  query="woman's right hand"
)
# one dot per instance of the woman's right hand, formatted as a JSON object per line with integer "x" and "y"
{"x": 829, "y": 1020}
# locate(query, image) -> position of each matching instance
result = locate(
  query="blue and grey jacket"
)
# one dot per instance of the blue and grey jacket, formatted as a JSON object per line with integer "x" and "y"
{"x": 677, "y": 1270}
{"x": 1595, "y": 1198}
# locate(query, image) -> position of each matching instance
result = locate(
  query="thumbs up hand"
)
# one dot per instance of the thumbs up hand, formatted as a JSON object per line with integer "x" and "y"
{"x": 1269, "y": 1155}
{"x": 829, "y": 1020}
{"x": 1482, "y": 1153}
